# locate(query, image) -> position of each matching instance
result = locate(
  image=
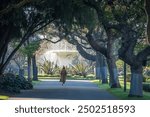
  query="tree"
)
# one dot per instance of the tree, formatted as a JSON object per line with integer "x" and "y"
{"x": 19, "y": 59}
{"x": 147, "y": 6}
{"x": 109, "y": 54}
{"x": 30, "y": 50}
{"x": 24, "y": 22}
{"x": 81, "y": 21}
{"x": 35, "y": 68}
{"x": 125, "y": 18}
{"x": 17, "y": 62}
{"x": 11, "y": 6}
{"x": 132, "y": 30}
{"x": 101, "y": 67}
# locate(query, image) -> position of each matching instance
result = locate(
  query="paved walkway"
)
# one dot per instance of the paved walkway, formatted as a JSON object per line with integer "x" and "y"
{"x": 72, "y": 90}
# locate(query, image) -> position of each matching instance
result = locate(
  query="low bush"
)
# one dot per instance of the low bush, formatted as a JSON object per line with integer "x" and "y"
{"x": 43, "y": 75}
{"x": 55, "y": 75}
{"x": 69, "y": 75}
{"x": 90, "y": 76}
{"x": 46, "y": 75}
{"x": 23, "y": 83}
{"x": 146, "y": 77}
{"x": 13, "y": 84}
{"x": 78, "y": 76}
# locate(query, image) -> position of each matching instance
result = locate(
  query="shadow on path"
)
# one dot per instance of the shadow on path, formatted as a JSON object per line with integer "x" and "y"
{"x": 72, "y": 90}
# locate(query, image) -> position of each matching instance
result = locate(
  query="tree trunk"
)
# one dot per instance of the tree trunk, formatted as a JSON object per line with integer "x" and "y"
{"x": 113, "y": 73}
{"x": 21, "y": 73}
{"x": 3, "y": 66}
{"x": 29, "y": 69}
{"x": 98, "y": 74}
{"x": 101, "y": 68}
{"x": 111, "y": 61}
{"x": 125, "y": 77}
{"x": 136, "y": 86}
{"x": 104, "y": 70}
{"x": 35, "y": 71}
{"x": 85, "y": 54}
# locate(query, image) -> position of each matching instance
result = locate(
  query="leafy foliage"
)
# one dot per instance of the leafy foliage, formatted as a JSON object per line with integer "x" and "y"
{"x": 81, "y": 69}
{"x": 48, "y": 67}
{"x": 146, "y": 73}
{"x": 31, "y": 48}
{"x": 120, "y": 66}
{"x": 10, "y": 83}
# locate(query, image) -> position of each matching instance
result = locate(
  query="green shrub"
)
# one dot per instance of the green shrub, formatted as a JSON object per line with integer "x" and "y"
{"x": 8, "y": 82}
{"x": 90, "y": 76}
{"x": 81, "y": 69}
{"x": 46, "y": 75}
{"x": 11, "y": 83}
{"x": 23, "y": 83}
{"x": 69, "y": 75}
{"x": 146, "y": 87}
{"x": 146, "y": 77}
{"x": 76, "y": 76}
{"x": 43, "y": 75}
{"x": 49, "y": 67}
{"x": 55, "y": 75}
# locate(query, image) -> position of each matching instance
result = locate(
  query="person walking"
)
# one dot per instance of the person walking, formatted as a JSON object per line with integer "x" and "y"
{"x": 63, "y": 75}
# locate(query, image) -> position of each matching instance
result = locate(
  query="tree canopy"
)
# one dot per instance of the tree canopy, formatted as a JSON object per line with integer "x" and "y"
{"x": 97, "y": 23}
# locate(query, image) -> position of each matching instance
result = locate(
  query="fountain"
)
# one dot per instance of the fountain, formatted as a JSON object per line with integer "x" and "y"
{"x": 61, "y": 53}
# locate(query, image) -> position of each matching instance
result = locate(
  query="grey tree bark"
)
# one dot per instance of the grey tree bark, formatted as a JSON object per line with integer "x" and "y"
{"x": 35, "y": 70}
{"x": 113, "y": 72}
{"x": 101, "y": 68}
{"x": 108, "y": 53}
{"x": 21, "y": 73}
{"x": 29, "y": 69}
{"x": 136, "y": 86}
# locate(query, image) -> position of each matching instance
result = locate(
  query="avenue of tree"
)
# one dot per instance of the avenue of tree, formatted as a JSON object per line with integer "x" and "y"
{"x": 112, "y": 29}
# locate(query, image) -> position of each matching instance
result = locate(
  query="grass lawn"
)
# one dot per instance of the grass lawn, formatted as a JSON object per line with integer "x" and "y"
{"x": 68, "y": 78}
{"x": 119, "y": 92}
{"x": 3, "y": 97}
{"x": 36, "y": 82}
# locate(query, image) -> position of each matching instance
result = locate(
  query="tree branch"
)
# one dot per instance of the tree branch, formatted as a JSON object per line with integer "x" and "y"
{"x": 9, "y": 8}
{"x": 144, "y": 54}
{"x": 95, "y": 45}
{"x": 84, "y": 54}
{"x": 44, "y": 25}
{"x": 53, "y": 41}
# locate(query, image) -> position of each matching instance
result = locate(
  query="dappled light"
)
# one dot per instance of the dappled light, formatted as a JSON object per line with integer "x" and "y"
{"x": 75, "y": 49}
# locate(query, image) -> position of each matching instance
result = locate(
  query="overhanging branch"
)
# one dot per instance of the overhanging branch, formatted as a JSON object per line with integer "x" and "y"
{"x": 9, "y": 8}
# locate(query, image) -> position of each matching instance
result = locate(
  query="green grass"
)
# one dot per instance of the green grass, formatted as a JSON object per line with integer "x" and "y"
{"x": 48, "y": 77}
{"x": 69, "y": 78}
{"x": 36, "y": 82}
{"x": 3, "y": 97}
{"x": 119, "y": 92}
